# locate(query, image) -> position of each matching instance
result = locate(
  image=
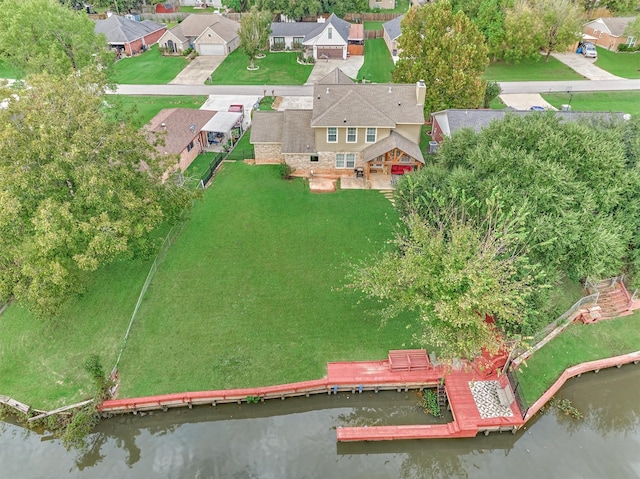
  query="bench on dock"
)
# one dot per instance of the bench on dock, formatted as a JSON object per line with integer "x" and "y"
{"x": 505, "y": 395}
{"x": 408, "y": 360}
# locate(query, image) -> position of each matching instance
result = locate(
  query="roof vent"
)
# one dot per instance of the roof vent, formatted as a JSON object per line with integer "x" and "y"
{"x": 345, "y": 120}
{"x": 192, "y": 127}
{"x": 327, "y": 90}
{"x": 163, "y": 125}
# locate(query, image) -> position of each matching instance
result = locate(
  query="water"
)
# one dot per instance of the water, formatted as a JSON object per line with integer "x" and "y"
{"x": 296, "y": 439}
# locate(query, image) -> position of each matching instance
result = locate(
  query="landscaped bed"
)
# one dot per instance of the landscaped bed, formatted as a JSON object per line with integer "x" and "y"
{"x": 148, "y": 68}
{"x": 277, "y": 68}
{"x": 530, "y": 70}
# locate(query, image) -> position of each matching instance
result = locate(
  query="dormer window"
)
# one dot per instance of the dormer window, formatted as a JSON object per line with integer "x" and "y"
{"x": 330, "y": 33}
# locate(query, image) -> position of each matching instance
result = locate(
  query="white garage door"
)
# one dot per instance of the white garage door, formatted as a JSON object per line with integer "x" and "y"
{"x": 211, "y": 50}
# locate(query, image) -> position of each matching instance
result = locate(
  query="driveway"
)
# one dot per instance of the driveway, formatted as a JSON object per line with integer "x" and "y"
{"x": 584, "y": 66}
{"x": 198, "y": 70}
{"x": 222, "y": 103}
{"x": 322, "y": 68}
{"x": 524, "y": 101}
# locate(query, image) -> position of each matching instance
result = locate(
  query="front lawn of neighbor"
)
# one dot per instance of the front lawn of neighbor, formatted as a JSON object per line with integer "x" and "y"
{"x": 143, "y": 107}
{"x": 616, "y": 101}
{"x": 252, "y": 291}
{"x": 578, "y": 344}
{"x": 625, "y": 65}
{"x": 378, "y": 64}
{"x": 148, "y": 68}
{"x": 277, "y": 68}
{"x": 8, "y": 71}
{"x": 530, "y": 70}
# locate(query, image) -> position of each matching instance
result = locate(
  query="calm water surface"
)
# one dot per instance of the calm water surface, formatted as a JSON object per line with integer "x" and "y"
{"x": 296, "y": 439}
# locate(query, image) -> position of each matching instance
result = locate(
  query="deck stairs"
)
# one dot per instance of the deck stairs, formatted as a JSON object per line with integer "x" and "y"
{"x": 613, "y": 301}
{"x": 443, "y": 401}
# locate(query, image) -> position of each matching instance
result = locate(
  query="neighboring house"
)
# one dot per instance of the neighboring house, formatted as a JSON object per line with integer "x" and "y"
{"x": 382, "y": 4}
{"x": 391, "y": 34}
{"x": 354, "y": 129}
{"x": 609, "y": 32}
{"x": 324, "y": 39}
{"x": 178, "y": 132}
{"x": 211, "y": 34}
{"x": 201, "y": 3}
{"x": 128, "y": 36}
{"x": 447, "y": 122}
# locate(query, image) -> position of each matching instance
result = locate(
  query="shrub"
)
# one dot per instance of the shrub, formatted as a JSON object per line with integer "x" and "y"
{"x": 429, "y": 403}
{"x": 285, "y": 170}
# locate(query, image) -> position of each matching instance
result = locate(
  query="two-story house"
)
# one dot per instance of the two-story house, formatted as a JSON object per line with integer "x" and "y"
{"x": 327, "y": 38}
{"x": 353, "y": 129}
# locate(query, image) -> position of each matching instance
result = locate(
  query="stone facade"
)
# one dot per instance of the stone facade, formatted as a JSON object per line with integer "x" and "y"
{"x": 267, "y": 153}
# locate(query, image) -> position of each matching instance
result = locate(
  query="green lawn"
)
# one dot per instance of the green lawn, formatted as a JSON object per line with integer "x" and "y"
{"x": 401, "y": 7}
{"x": 620, "y": 101}
{"x": 8, "y": 71}
{"x": 200, "y": 165}
{"x": 251, "y": 293}
{"x": 370, "y": 25}
{"x": 281, "y": 68}
{"x": 378, "y": 64}
{"x": 578, "y": 344}
{"x": 148, "y": 68}
{"x": 625, "y": 65}
{"x": 186, "y": 9}
{"x": 143, "y": 108}
{"x": 530, "y": 70}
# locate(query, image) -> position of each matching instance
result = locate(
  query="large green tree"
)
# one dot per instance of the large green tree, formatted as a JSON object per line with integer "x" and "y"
{"x": 292, "y": 10}
{"x": 76, "y": 190}
{"x": 254, "y": 33}
{"x": 447, "y": 51}
{"x": 488, "y": 15}
{"x": 45, "y": 36}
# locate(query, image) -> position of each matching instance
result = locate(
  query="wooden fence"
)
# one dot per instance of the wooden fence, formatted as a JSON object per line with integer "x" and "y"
{"x": 164, "y": 17}
{"x": 355, "y": 49}
{"x": 371, "y": 34}
{"x": 370, "y": 17}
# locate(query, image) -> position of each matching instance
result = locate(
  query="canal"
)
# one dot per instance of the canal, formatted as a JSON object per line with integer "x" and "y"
{"x": 295, "y": 438}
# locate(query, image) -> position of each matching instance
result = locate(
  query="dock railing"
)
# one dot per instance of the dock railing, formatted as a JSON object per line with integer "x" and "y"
{"x": 517, "y": 392}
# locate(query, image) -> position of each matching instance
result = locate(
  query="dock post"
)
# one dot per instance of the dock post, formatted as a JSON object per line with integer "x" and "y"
{"x": 335, "y": 389}
{"x": 360, "y": 389}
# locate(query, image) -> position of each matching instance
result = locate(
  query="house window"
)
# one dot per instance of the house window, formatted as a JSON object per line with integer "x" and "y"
{"x": 297, "y": 43}
{"x": 330, "y": 33}
{"x": 371, "y": 135}
{"x": 345, "y": 160}
{"x": 332, "y": 135}
{"x": 352, "y": 135}
{"x": 190, "y": 146}
{"x": 278, "y": 43}
{"x": 631, "y": 41}
{"x": 314, "y": 158}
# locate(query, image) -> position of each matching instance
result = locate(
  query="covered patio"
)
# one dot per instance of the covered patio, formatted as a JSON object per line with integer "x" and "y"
{"x": 223, "y": 130}
{"x": 391, "y": 157}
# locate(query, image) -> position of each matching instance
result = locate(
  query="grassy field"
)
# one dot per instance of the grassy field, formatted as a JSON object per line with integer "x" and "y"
{"x": 625, "y": 65}
{"x": 530, "y": 70}
{"x": 143, "y": 108}
{"x": 149, "y": 68}
{"x": 370, "y": 25}
{"x": 621, "y": 101}
{"x": 378, "y": 64}
{"x": 578, "y": 344}
{"x": 7, "y": 71}
{"x": 281, "y": 68}
{"x": 252, "y": 291}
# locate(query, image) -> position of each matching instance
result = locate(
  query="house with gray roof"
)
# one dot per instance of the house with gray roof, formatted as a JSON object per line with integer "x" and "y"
{"x": 326, "y": 38}
{"x": 129, "y": 36}
{"x": 446, "y": 122}
{"x": 354, "y": 130}
{"x": 610, "y": 32}
{"x": 212, "y": 34}
{"x": 391, "y": 33}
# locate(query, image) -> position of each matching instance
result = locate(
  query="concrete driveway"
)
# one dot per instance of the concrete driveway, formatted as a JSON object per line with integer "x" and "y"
{"x": 524, "y": 101}
{"x": 584, "y": 66}
{"x": 322, "y": 68}
{"x": 198, "y": 70}
{"x": 222, "y": 103}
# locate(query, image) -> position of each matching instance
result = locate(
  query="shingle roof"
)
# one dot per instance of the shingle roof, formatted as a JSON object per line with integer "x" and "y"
{"x": 177, "y": 32}
{"x": 356, "y": 31}
{"x": 310, "y": 30}
{"x": 178, "y": 122}
{"x": 394, "y": 140}
{"x": 300, "y": 137}
{"x": 613, "y": 25}
{"x": 119, "y": 30}
{"x": 393, "y": 27}
{"x": 373, "y": 105}
{"x": 453, "y": 120}
{"x": 335, "y": 77}
{"x": 266, "y": 127}
{"x": 195, "y": 24}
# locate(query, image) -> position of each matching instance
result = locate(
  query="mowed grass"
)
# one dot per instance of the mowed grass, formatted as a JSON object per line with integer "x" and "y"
{"x": 41, "y": 359}
{"x": 143, "y": 108}
{"x": 252, "y": 292}
{"x": 530, "y": 70}
{"x": 610, "y": 101}
{"x": 277, "y": 68}
{"x": 378, "y": 64}
{"x": 148, "y": 68}
{"x": 578, "y": 344}
{"x": 625, "y": 65}
{"x": 371, "y": 25}
{"x": 8, "y": 71}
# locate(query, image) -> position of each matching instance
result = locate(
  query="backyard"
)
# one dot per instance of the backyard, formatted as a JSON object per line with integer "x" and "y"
{"x": 378, "y": 64}
{"x": 277, "y": 68}
{"x": 530, "y": 70}
{"x": 625, "y": 65}
{"x": 610, "y": 101}
{"x": 148, "y": 68}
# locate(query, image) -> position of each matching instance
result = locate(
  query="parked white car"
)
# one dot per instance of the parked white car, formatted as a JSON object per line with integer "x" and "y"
{"x": 589, "y": 50}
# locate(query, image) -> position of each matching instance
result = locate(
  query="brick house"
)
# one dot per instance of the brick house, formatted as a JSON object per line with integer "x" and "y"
{"x": 129, "y": 36}
{"x": 354, "y": 129}
{"x": 609, "y": 32}
{"x": 211, "y": 34}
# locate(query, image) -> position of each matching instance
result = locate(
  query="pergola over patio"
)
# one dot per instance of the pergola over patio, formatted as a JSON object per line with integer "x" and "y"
{"x": 394, "y": 155}
{"x": 221, "y": 126}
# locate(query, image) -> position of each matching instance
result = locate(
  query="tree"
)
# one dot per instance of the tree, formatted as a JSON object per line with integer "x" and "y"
{"x": 292, "y": 10}
{"x": 254, "y": 33}
{"x": 45, "y": 36}
{"x": 447, "y": 51}
{"x": 76, "y": 190}
{"x": 488, "y": 15}
{"x": 454, "y": 269}
{"x": 633, "y": 29}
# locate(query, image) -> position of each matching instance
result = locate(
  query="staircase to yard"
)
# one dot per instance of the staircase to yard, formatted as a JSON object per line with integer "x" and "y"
{"x": 613, "y": 300}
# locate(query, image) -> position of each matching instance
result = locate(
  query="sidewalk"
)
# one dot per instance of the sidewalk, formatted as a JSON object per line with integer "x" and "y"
{"x": 584, "y": 66}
